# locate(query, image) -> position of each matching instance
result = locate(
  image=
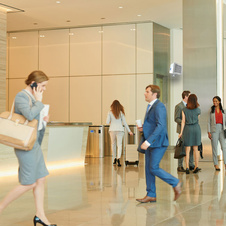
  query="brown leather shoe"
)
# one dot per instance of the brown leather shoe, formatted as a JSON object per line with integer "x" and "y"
{"x": 177, "y": 190}
{"x": 147, "y": 199}
{"x": 181, "y": 169}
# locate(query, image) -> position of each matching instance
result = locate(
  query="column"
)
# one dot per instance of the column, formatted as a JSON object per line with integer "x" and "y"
{"x": 2, "y": 60}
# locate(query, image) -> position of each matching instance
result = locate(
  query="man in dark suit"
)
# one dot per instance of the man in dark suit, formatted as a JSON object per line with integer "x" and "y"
{"x": 178, "y": 118}
{"x": 155, "y": 145}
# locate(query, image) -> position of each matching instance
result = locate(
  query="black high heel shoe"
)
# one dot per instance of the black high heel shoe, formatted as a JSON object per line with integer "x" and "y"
{"x": 115, "y": 161}
{"x": 38, "y": 220}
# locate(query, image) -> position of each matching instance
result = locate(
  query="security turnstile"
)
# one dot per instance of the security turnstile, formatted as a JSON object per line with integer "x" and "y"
{"x": 95, "y": 142}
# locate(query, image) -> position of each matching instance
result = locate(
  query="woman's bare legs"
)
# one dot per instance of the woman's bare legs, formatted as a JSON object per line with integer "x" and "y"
{"x": 187, "y": 150}
{"x": 196, "y": 154}
{"x": 14, "y": 194}
{"x": 38, "y": 192}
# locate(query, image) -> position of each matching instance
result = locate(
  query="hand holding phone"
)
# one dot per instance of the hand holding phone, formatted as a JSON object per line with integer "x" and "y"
{"x": 37, "y": 92}
{"x": 33, "y": 85}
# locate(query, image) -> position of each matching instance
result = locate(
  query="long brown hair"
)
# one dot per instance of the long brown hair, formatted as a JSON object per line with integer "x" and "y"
{"x": 192, "y": 102}
{"x": 116, "y": 107}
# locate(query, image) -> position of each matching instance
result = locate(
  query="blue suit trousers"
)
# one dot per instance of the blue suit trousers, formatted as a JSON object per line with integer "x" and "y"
{"x": 153, "y": 157}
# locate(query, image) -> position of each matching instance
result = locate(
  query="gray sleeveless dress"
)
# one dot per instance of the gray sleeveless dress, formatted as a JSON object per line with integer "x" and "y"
{"x": 31, "y": 163}
{"x": 192, "y": 131}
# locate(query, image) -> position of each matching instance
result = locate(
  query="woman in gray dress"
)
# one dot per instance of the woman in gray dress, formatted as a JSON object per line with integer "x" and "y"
{"x": 32, "y": 168}
{"x": 191, "y": 130}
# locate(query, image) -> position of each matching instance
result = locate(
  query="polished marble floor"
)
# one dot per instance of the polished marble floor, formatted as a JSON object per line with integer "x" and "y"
{"x": 100, "y": 194}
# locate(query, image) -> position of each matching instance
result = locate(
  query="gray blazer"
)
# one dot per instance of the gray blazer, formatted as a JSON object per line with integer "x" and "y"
{"x": 117, "y": 124}
{"x": 211, "y": 124}
{"x": 23, "y": 107}
{"x": 178, "y": 115}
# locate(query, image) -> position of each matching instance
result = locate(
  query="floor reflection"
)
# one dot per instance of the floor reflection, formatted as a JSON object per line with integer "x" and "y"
{"x": 100, "y": 194}
{"x": 117, "y": 204}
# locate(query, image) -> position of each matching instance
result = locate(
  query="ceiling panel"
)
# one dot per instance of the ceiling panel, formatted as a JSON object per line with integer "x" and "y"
{"x": 45, "y": 14}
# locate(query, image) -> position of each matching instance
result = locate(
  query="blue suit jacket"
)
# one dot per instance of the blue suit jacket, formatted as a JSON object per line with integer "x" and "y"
{"x": 155, "y": 126}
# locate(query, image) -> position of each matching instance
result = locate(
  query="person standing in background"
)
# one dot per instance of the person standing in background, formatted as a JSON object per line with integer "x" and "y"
{"x": 216, "y": 127}
{"x": 191, "y": 130}
{"x": 178, "y": 118}
{"x": 116, "y": 118}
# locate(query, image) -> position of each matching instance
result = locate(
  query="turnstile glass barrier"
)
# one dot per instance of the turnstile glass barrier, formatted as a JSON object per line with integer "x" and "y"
{"x": 99, "y": 141}
{"x": 107, "y": 142}
{"x": 95, "y": 142}
{"x": 107, "y": 139}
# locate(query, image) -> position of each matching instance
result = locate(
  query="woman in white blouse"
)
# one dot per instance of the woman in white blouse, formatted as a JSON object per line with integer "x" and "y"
{"x": 116, "y": 118}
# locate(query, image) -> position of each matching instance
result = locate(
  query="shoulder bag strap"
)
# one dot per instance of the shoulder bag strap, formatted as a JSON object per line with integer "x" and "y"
{"x": 13, "y": 107}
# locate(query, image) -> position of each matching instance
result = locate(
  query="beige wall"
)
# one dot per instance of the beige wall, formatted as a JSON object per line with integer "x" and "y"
{"x": 88, "y": 69}
{"x": 176, "y": 83}
{"x": 2, "y": 60}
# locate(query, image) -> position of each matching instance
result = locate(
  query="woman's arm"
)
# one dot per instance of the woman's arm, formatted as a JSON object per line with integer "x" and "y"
{"x": 182, "y": 124}
{"x": 108, "y": 118}
{"x": 208, "y": 126}
{"x": 22, "y": 104}
{"x": 125, "y": 124}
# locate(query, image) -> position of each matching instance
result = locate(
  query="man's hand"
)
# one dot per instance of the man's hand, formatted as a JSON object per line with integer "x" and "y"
{"x": 140, "y": 129}
{"x": 144, "y": 146}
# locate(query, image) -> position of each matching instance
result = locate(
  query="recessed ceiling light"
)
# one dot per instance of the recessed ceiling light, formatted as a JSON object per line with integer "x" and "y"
{"x": 13, "y": 37}
{"x": 138, "y": 15}
{"x": 120, "y": 7}
{"x": 58, "y": 2}
{"x": 71, "y": 33}
{"x": 42, "y": 36}
{"x": 101, "y": 31}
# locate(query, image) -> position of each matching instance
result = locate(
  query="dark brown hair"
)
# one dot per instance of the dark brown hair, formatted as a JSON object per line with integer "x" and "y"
{"x": 116, "y": 107}
{"x": 185, "y": 94}
{"x": 192, "y": 102}
{"x": 213, "y": 107}
{"x": 154, "y": 89}
{"x": 37, "y": 76}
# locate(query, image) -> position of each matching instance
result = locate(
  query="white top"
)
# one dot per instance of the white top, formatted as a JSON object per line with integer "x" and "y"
{"x": 117, "y": 124}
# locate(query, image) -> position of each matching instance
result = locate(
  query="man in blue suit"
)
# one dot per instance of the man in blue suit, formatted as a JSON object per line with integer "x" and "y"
{"x": 155, "y": 145}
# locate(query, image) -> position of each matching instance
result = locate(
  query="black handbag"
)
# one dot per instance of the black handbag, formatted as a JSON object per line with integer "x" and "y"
{"x": 179, "y": 149}
{"x": 200, "y": 149}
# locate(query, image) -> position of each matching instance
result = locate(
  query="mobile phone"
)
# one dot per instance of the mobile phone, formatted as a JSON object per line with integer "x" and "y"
{"x": 34, "y": 85}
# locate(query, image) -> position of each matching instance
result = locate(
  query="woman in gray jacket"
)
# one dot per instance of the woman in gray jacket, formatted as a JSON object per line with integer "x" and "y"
{"x": 216, "y": 127}
{"x": 116, "y": 118}
{"x": 32, "y": 168}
